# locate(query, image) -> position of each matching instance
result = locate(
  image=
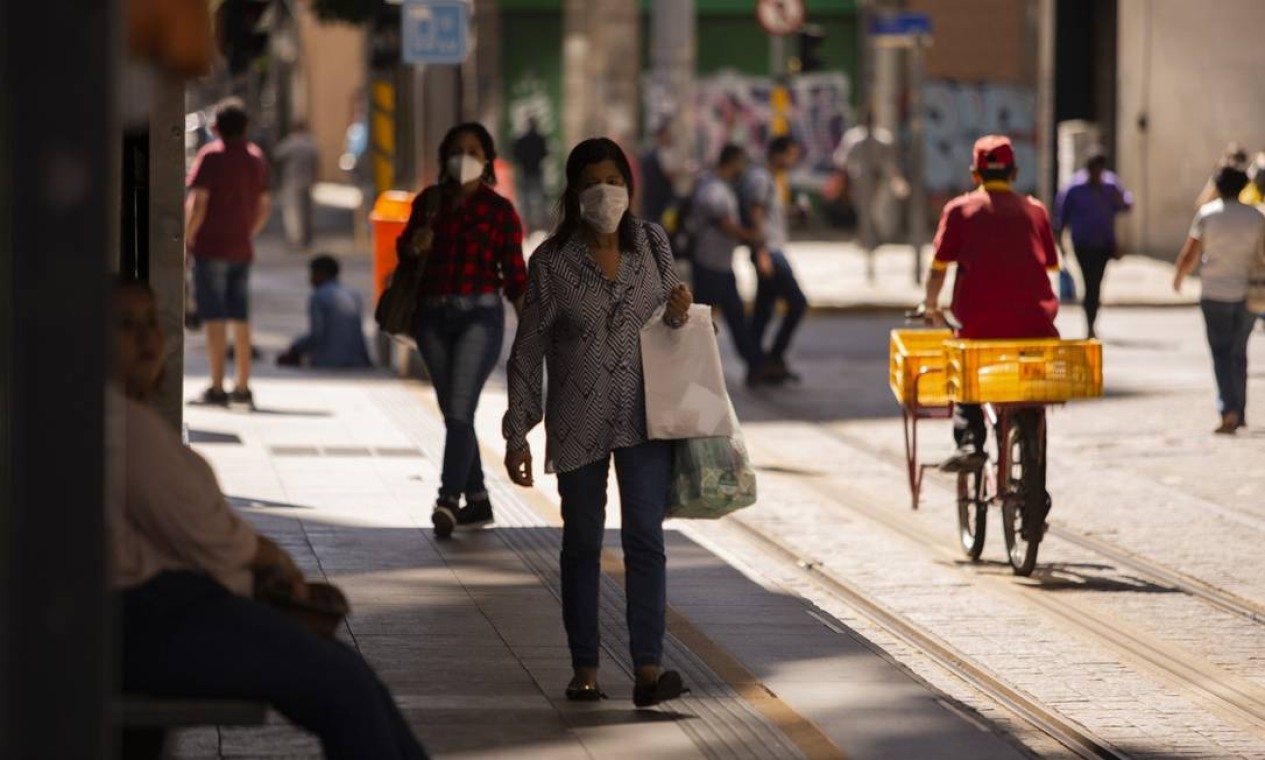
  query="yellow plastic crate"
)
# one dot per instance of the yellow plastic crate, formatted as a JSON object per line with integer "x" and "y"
{"x": 1011, "y": 371}
{"x": 914, "y": 352}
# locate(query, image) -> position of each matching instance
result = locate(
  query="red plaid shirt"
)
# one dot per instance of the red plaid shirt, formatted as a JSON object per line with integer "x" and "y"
{"x": 478, "y": 246}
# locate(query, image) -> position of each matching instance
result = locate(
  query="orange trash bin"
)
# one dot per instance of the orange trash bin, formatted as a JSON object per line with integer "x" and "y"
{"x": 389, "y": 218}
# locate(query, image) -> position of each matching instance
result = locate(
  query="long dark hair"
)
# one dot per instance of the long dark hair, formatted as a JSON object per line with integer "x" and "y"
{"x": 481, "y": 134}
{"x": 593, "y": 151}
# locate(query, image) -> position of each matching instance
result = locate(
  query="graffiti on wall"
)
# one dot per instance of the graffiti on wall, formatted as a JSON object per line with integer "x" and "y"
{"x": 958, "y": 113}
{"x": 529, "y": 98}
{"x": 733, "y": 107}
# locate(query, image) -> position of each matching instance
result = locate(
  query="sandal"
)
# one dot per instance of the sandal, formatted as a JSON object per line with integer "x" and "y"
{"x": 668, "y": 686}
{"x": 582, "y": 691}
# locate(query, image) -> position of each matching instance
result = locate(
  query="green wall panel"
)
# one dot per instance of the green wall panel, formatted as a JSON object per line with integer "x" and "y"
{"x": 531, "y": 71}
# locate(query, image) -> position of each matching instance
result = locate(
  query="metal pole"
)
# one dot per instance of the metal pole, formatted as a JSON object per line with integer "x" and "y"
{"x": 59, "y": 138}
{"x": 672, "y": 58}
{"x": 865, "y": 60}
{"x": 918, "y": 191}
{"x": 781, "y": 98}
{"x": 166, "y": 235}
{"x": 1047, "y": 137}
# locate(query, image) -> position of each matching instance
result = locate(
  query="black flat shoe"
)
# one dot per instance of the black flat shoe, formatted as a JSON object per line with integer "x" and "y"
{"x": 580, "y": 691}
{"x": 669, "y": 686}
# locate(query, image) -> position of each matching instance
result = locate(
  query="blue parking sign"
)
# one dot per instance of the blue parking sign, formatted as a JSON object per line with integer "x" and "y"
{"x": 435, "y": 31}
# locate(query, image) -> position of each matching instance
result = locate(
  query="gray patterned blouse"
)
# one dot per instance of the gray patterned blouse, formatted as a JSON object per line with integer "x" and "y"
{"x": 586, "y": 329}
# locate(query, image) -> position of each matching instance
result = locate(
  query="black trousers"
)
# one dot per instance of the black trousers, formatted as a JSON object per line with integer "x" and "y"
{"x": 1093, "y": 263}
{"x": 968, "y": 426}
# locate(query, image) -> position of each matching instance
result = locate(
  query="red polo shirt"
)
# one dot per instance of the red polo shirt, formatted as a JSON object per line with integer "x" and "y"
{"x": 1003, "y": 246}
{"x": 235, "y": 175}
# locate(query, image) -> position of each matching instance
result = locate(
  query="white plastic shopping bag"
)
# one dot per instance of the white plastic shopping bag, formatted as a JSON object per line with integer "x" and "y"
{"x": 685, "y": 385}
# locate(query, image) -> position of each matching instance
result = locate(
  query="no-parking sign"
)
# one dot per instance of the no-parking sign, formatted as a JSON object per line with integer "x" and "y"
{"x": 780, "y": 17}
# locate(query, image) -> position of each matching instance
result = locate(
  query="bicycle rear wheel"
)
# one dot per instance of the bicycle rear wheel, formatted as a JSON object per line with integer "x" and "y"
{"x": 972, "y": 513}
{"x": 1025, "y": 502}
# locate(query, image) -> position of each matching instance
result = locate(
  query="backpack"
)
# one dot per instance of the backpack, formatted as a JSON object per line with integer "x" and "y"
{"x": 684, "y": 228}
{"x": 690, "y": 221}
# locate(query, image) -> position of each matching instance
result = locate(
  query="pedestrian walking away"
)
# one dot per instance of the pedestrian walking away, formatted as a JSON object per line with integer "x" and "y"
{"x": 592, "y": 285}
{"x": 659, "y": 173}
{"x": 715, "y": 218}
{"x": 530, "y": 152}
{"x": 1003, "y": 246}
{"x": 335, "y": 337}
{"x": 472, "y": 244}
{"x": 299, "y": 159}
{"x": 183, "y": 571}
{"x": 1234, "y": 155}
{"x": 1227, "y": 238}
{"x": 226, "y": 207}
{"x": 765, "y": 192}
{"x": 1088, "y": 207}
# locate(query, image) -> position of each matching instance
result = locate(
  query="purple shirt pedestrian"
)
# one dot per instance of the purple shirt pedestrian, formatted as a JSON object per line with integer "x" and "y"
{"x": 1089, "y": 210}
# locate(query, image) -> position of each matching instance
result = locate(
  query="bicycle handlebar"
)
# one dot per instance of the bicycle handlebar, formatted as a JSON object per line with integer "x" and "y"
{"x": 919, "y": 316}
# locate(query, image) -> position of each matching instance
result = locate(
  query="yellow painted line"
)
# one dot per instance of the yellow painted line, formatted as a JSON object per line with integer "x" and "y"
{"x": 801, "y": 731}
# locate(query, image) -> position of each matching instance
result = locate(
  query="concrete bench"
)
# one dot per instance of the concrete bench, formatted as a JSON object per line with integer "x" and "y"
{"x": 146, "y": 720}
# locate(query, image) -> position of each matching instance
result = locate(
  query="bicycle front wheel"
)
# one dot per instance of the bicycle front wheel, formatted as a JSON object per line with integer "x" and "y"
{"x": 1024, "y": 500}
{"x": 972, "y": 513}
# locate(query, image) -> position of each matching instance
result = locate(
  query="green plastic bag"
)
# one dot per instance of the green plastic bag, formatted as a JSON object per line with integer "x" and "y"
{"x": 711, "y": 477}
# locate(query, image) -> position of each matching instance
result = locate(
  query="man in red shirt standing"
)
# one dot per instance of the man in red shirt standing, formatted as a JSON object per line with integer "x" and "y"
{"x": 1004, "y": 248}
{"x": 226, "y": 207}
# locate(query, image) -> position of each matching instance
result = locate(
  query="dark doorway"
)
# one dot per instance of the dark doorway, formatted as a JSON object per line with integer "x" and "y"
{"x": 1085, "y": 65}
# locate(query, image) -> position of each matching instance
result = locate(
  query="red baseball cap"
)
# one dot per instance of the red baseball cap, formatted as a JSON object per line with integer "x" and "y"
{"x": 994, "y": 152}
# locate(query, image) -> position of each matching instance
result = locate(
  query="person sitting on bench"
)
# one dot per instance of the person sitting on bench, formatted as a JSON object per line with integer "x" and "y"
{"x": 183, "y": 569}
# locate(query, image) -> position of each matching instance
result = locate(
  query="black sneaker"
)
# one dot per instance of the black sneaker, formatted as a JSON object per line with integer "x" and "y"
{"x": 780, "y": 374}
{"x": 760, "y": 375}
{"x": 476, "y": 514}
{"x": 444, "y": 518}
{"x": 214, "y": 397}
{"x": 967, "y": 459}
{"x": 242, "y": 397}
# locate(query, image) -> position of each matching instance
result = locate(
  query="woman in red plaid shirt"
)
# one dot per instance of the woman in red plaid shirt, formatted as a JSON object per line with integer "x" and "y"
{"x": 472, "y": 242}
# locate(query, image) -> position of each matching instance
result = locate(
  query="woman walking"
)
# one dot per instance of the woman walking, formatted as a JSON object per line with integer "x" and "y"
{"x": 591, "y": 287}
{"x": 472, "y": 244}
{"x": 1228, "y": 237}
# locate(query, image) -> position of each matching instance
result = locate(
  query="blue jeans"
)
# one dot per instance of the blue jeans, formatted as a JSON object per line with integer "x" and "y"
{"x": 781, "y": 286}
{"x": 184, "y": 635}
{"x": 1229, "y": 326}
{"x": 460, "y": 338}
{"x": 221, "y": 289}
{"x": 721, "y": 289}
{"x": 644, "y": 473}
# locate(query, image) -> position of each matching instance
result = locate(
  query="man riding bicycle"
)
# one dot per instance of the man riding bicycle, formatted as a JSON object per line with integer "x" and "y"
{"x": 1003, "y": 246}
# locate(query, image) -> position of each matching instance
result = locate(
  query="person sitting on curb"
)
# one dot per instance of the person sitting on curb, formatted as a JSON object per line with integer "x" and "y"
{"x": 184, "y": 567}
{"x": 335, "y": 335}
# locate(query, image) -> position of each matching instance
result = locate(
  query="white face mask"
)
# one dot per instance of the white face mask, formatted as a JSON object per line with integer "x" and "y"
{"x": 464, "y": 168}
{"x": 603, "y": 206}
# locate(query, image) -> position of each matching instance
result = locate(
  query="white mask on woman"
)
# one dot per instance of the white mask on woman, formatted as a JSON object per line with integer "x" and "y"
{"x": 464, "y": 168}
{"x": 603, "y": 206}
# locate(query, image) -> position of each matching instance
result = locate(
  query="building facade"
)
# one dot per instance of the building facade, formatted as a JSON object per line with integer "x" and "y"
{"x": 1190, "y": 78}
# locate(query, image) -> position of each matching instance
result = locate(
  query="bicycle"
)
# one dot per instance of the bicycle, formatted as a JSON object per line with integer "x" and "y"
{"x": 1013, "y": 478}
{"x": 1045, "y": 372}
